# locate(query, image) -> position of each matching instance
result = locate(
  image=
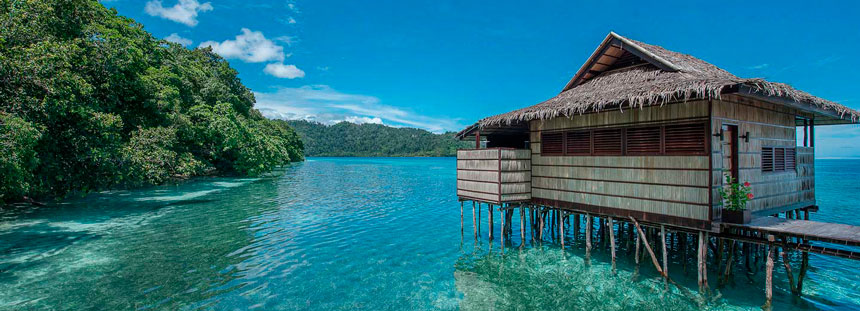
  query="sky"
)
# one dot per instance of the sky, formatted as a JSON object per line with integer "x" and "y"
{"x": 442, "y": 65}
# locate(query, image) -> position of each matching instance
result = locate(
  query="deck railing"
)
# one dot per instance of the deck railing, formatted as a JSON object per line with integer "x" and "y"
{"x": 494, "y": 175}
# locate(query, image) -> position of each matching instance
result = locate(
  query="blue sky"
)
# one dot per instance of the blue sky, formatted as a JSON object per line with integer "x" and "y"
{"x": 441, "y": 65}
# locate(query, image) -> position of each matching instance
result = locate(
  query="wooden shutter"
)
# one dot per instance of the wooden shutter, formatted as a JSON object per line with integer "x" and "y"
{"x": 607, "y": 142}
{"x": 778, "y": 159}
{"x": 578, "y": 143}
{"x": 551, "y": 143}
{"x": 686, "y": 139}
{"x": 766, "y": 159}
{"x": 643, "y": 140}
{"x": 790, "y": 159}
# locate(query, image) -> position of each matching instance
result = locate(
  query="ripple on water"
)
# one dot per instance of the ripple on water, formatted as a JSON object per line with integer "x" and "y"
{"x": 340, "y": 234}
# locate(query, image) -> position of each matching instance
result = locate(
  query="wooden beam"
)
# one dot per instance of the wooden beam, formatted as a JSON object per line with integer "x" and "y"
{"x": 648, "y": 248}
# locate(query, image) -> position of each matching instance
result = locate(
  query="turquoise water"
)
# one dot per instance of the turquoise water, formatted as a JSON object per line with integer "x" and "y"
{"x": 356, "y": 233}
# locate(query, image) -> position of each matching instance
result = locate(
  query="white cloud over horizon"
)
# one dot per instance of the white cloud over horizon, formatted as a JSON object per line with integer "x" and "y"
{"x": 176, "y": 38}
{"x": 323, "y": 104}
{"x": 184, "y": 12}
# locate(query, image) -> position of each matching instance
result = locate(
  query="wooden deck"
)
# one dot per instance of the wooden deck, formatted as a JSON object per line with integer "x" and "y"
{"x": 788, "y": 229}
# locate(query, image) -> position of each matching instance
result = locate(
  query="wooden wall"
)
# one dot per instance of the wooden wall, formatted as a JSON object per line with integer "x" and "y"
{"x": 675, "y": 186}
{"x": 494, "y": 175}
{"x": 768, "y": 125}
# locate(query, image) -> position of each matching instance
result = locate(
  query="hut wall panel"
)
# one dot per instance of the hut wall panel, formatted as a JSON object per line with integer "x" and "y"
{"x": 768, "y": 125}
{"x": 478, "y": 176}
{"x": 484, "y": 174}
{"x": 490, "y": 188}
{"x": 477, "y": 195}
{"x": 666, "y": 185}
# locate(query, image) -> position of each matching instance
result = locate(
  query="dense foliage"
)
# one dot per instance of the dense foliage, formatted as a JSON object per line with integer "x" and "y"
{"x": 361, "y": 140}
{"x": 90, "y": 100}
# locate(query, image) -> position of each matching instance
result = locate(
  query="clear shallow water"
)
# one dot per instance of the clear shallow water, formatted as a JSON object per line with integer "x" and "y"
{"x": 356, "y": 233}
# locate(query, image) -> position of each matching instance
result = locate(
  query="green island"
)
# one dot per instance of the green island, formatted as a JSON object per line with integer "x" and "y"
{"x": 347, "y": 139}
{"x": 90, "y": 101}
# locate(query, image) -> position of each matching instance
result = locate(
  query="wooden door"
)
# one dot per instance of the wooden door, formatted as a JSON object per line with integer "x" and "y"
{"x": 729, "y": 149}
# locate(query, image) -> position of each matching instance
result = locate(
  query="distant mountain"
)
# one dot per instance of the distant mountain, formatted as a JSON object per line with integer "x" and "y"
{"x": 372, "y": 140}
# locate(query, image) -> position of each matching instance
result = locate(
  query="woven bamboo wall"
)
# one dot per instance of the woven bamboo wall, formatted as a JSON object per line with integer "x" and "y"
{"x": 768, "y": 125}
{"x": 494, "y": 175}
{"x": 664, "y": 185}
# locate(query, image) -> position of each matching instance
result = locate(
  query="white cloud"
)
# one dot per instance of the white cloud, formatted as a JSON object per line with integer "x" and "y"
{"x": 284, "y": 71}
{"x": 324, "y": 104}
{"x": 362, "y": 120}
{"x": 185, "y": 11}
{"x": 176, "y": 38}
{"x": 250, "y": 46}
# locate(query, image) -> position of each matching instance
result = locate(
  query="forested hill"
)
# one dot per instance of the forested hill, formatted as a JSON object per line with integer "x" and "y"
{"x": 89, "y": 100}
{"x": 372, "y": 140}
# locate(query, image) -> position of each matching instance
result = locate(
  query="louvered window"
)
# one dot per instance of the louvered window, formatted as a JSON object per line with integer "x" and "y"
{"x": 766, "y": 159}
{"x": 775, "y": 159}
{"x": 578, "y": 143}
{"x": 686, "y": 139}
{"x": 644, "y": 140}
{"x": 552, "y": 143}
{"x": 607, "y": 142}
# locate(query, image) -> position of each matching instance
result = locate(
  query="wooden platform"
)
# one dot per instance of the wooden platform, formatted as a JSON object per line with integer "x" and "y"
{"x": 807, "y": 229}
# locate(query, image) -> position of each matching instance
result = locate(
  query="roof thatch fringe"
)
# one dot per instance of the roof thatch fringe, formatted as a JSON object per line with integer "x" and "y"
{"x": 646, "y": 85}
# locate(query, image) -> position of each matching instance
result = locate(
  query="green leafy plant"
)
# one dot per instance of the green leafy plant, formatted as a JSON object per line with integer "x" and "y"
{"x": 735, "y": 195}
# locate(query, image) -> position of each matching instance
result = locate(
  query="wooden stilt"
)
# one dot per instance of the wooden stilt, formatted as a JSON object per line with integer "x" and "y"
{"x": 768, "y": 289}
{"x": 804, "y": 261}
{"x": 474, "y": 221}
{"x": 729, "y": 261}
{"x": 461, "y": 218}
{"x": 561, "y": 228}
{"x": 541, "y": 215}
{"x": 788, "y": 273}
{"x": 612, "y": 239}
{"x": 638, "y": 242}
{"x": 665, "y": 253}
{"x": 522, "y": 224}
{"x": 588, "y": 232}
{"x": 490, "y": 222}
{"x": 503, "y": 230}
{"x": 700, "y": 260}
{"x": 575, "y": 225}
{"x": 648, "y": 248}
{"x": 705, "y": 260}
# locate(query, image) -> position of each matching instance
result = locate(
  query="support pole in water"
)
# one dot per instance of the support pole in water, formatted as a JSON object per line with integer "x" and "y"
{"x": 648, "y": 248}
{"x": 665, "y": 253}
{"x": 700, "y": 260}
{"x": 541, "y": 221}
{"x": 522, "y": 224}
{"x": 461, "y": 218}
{"x": 504, "y": 232}
{"x": 788, "y": 272}
{"x": 804, "y": 262}
{"x": 638, "y": 242}
{"x": 575, "y": 225}
{"x": 490, "y": 222}
{"x": 588, "y": 232}
{"x": 474, "y": 221}
{"x": 612, "y": 238}
{"x": 768, "y": 290}
{"x": 561, "y": 228}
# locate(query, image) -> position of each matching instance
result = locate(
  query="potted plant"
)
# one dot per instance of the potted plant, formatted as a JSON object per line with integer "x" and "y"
{"x": 735, "y": 197}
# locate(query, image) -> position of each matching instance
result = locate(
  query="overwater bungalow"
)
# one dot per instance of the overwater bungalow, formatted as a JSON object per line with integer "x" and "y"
{"x": 643, "y": 134}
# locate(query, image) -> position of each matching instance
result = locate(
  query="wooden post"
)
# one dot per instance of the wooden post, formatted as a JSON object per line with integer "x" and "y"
{"x": 540, "y": 226}
{"x": 700, "y": 260}
{"x": 768, "y": 289}
{"x": 804, "y": 261}
{"x": 612, "y": 238}
{"x": 461, "y": 218}
{"x": 474, "y": 221}
{"x": 648, "y": 248}
{"x": 504, "y": 215}
{"x": 705, "y": 260}
{"x": 561, "y": 228}
{"x": 490, "y": 222}
{"x": 638, "y": 242}
{"x": 665, "y": 253}
{"x": 788, "y": 272}
{"x": 522, "y": 224}
{"x": 588, "y": 232}
{"x": 575, "y": 225}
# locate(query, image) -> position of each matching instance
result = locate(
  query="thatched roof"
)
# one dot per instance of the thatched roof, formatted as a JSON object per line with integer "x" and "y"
{"x": 624, "y": 73}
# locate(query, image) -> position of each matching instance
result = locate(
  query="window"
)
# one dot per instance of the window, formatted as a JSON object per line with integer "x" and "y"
{"x": 607, "y": 142}
{"x": 774, "y": 159}
{"x": 644, "y": 140}
{"x": 686, "y": 139}
{"x": 578, "y": 143}
{"x": 674, "y": 139}
{"x": 552, "y": 143}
